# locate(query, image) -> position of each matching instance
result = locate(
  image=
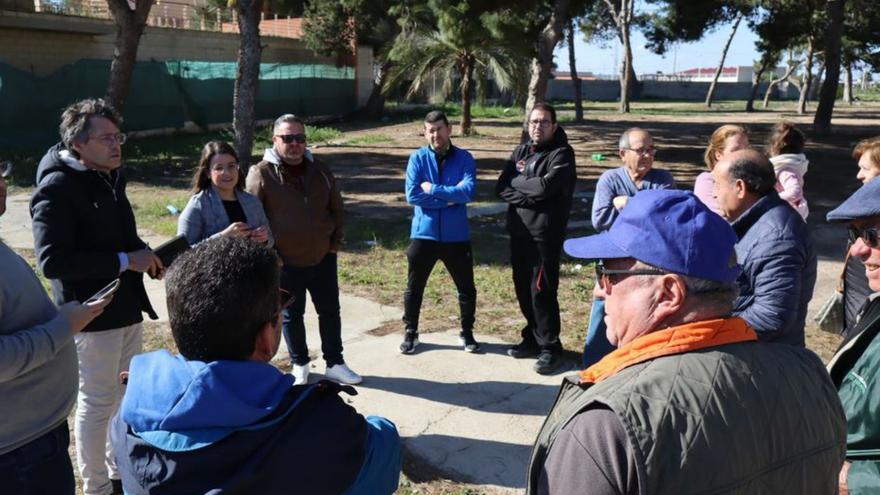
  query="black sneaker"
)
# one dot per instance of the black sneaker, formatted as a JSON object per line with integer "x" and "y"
{"x": 466, "y": 340}
{"x": 547, "y": 363}
{"x": 410, "y": 341}
{"x": 524, "y": 350}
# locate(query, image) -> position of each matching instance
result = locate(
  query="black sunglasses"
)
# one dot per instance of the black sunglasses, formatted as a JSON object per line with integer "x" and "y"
{"x": 602, "y": 272}
{"x": 868, "y": 235}
{"x": 289, "y": 138}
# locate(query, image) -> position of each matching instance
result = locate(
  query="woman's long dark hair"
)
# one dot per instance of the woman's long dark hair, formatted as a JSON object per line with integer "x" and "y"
{"x": 202, "y": 178}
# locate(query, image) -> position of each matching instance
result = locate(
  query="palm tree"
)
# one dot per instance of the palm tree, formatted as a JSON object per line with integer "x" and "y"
{"x": 419, "y": 56}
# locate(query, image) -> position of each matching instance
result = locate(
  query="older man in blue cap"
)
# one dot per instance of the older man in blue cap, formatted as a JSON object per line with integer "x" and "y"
{"x": 855, "y": 368}
{"x": 689, "y": 402}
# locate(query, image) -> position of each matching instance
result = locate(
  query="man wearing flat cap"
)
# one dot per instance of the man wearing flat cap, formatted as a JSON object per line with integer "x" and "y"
{"x": 855, "y": 368}
{"x": 689, "y": 402}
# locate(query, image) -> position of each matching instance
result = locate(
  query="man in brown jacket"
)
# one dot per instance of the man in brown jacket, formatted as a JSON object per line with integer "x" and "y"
{"x": 305, "y": 214}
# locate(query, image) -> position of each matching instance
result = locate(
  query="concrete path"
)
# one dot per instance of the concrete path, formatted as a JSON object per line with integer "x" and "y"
{"x": 470, "y": 418}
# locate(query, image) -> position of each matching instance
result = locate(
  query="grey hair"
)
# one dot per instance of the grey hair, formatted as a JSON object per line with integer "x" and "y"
{"x": 76, "y": 120}
{"x": 287, "y": 118}
{"x": 623, "y": 143}
{"x": 711, "y": 291}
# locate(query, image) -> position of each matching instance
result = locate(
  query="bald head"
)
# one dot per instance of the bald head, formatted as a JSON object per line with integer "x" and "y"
{"x": 753, "y": 168}
{"x": 741, "y": 179}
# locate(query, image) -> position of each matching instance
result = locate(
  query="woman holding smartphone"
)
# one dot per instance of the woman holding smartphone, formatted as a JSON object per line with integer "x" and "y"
{"x": 219, "y": 205}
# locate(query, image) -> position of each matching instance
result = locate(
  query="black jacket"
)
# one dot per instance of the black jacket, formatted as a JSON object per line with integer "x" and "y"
{"x": 81, "y": 220}
{"x": 539, "y": 197}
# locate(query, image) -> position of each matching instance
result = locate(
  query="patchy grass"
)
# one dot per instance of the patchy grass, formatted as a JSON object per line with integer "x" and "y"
{"x": 150, "y": 205}
{"x": 374, "y": 266}
{"x": 370, "y": 139}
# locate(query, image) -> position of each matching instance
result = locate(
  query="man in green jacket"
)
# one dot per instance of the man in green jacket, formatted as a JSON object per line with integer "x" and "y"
{"x": 690, "y": 401}
{"x": 855, "y": 368}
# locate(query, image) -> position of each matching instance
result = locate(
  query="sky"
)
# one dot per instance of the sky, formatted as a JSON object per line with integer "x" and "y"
{"x": 704, "y": 53}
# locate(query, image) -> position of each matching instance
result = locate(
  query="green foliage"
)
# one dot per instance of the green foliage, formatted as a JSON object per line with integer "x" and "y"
{"x": 453, "y": 40}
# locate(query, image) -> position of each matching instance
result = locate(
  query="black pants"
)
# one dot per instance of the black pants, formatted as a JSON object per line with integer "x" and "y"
{"x": 39, "y": 466}
{"x": 320, "y": 281}
{"x": 423, "y": 255}
{"x": 536, "y": 280}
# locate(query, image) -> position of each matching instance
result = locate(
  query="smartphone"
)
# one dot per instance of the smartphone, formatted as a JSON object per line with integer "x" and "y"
{"x": 106, "y": 292}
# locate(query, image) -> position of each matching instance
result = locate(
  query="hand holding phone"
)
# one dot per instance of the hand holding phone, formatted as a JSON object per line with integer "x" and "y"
{"x": 104, "y": 293}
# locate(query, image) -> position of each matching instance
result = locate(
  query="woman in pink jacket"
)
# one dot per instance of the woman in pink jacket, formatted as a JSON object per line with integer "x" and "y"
{"x": 786, "y": 150}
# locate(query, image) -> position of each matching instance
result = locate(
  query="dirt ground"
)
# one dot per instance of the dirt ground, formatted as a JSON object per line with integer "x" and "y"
{"x": 371, "y": 175}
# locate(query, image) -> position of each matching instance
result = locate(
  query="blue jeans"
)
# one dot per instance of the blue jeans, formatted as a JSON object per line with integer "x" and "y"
{"x": 40, "y": 466}
{"x": 320, "y": 281}
{"x": 596, "y": 345}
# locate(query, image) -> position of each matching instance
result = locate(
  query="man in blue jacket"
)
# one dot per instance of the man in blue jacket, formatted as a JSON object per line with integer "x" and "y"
{"x": 439, "y": 184}
{"x": 774, "y": 248}
{"x": 218, "y": 418}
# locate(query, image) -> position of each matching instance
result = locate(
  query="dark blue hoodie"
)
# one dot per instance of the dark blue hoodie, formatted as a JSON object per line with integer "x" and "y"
{"x": 229, "y": 427}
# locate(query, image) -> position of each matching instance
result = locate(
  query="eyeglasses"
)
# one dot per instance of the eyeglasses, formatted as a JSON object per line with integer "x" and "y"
{"x": 111, "y": 139}
{"x": 643, "y": 151}
{"x": 603, "y": 273}
{"x": 5, "y": 169}
{"x": 540, "y": 123}
{"x": 289, "y": 138}
{"x": 868, "y": 235}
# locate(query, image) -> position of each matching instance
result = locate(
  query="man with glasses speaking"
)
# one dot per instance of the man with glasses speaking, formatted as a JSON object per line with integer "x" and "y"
{"x": 304, "y": 207}
{"x": 86, "y": 238}
{"x": 538, "y": 184}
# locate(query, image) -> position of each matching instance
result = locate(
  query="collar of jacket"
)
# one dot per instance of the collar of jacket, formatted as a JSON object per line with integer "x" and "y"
{"x": 749, "y": 217}
{"x": 674, "y": 340}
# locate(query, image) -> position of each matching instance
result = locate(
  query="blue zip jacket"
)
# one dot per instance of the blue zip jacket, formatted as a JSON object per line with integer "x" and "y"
{"x": 241, "y": 427}
{"x": 440, "y": 215}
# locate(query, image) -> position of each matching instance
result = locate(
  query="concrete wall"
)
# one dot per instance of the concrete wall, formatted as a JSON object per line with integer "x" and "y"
{"x": 363, "y": 72}
{"x": 42, "y": 43}
{"x": 606, "y": 90}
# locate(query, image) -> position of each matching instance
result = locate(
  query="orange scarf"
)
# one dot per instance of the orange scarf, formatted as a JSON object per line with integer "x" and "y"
{"x": 675, "y": 340}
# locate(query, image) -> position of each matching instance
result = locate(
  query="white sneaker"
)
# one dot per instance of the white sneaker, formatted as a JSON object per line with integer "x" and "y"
{"x": 342, "y": 373}
{"x": 300, "y": 374}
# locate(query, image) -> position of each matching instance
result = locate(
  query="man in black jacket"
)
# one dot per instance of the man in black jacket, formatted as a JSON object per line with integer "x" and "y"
{"x": 85, "y": 237}
{"x": 538, "y": 183}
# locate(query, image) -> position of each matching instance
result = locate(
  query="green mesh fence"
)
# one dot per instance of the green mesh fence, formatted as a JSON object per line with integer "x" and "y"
{"x": 165, "y": 94}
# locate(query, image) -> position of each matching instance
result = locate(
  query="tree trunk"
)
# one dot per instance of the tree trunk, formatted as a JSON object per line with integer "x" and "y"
{"x": 542, "y": 64}
{"x": 375, "y": 106}
{"x": 863, "y": 83}
{"x": 828, "y": 93}
{"x": 575, "y": 80}
{"x": 807, "y": 79}
{"x": 711, "y": 93}
{"x": 130, "y": 26}
{"x": 245, "y": 95}
{"x": 756, "y": 82}
{"x": 791, "y": 67}
{"x": 467, "y": 81}
{"x": 848, "y": 85}
{"x": 623, "y": 19}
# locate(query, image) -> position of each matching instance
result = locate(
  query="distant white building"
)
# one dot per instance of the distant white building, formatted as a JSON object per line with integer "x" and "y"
{"x": 742, "y": 73}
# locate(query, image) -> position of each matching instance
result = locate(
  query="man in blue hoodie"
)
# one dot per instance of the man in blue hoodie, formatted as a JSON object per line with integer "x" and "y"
{"x": 218, "y": 418}
{"x": 439, "y": 184}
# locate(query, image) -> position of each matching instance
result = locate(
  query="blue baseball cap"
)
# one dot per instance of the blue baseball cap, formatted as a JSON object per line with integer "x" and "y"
{"x": 668, "y": 229}
{"x": 863, "y": 203}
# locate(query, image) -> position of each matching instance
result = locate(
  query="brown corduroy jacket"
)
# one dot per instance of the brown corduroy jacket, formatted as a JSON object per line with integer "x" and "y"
{"x": 307, "y": 224}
